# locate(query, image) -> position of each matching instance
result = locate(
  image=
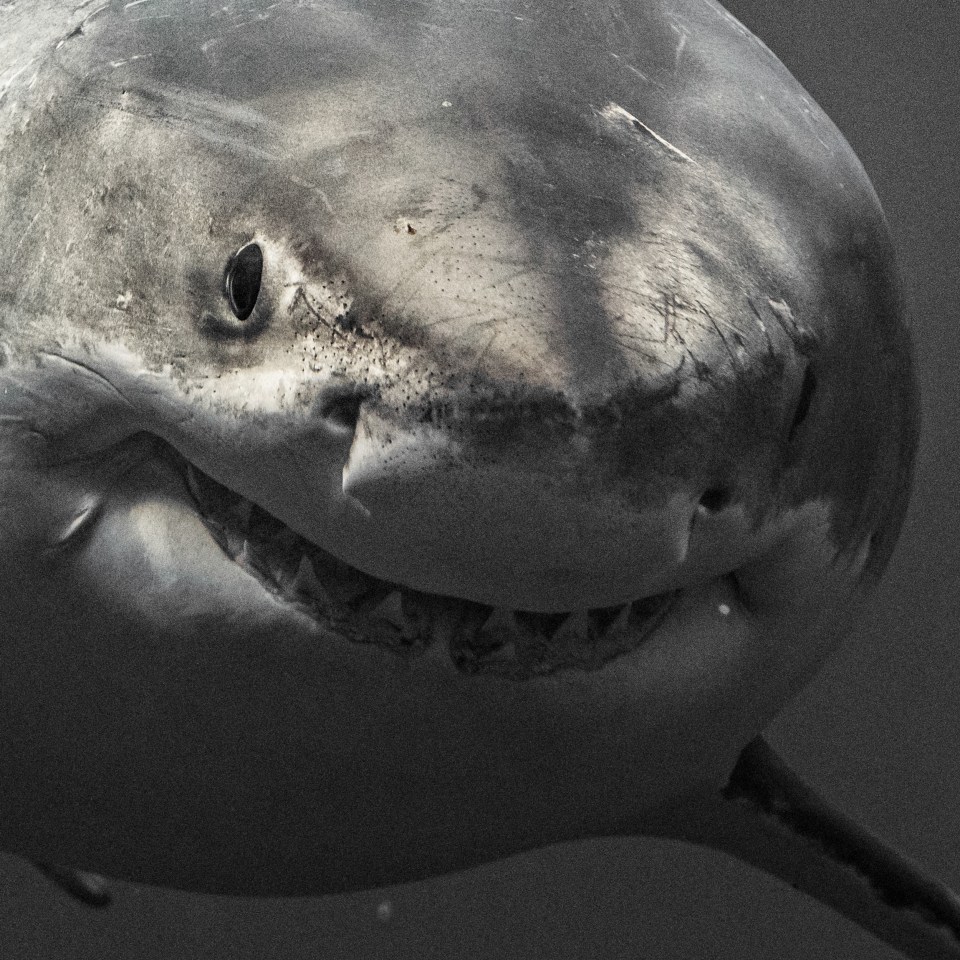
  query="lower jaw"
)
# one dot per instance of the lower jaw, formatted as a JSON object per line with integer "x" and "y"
{"x": 480, "y": 639}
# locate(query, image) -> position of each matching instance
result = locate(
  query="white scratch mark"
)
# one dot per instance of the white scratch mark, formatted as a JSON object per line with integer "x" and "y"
{"x": 134, "y": 3}
{"x": 87, "y": 19}
{"x": 9, "y": 81}
{"x": 23, "y": 236}
{"x": 680, "y": 47}
{"x": 630, "y": 67}
{"x": 83, "y": 518}
{"x": 138, "y": 56}
{"x": 307, "y": 185}
{"x": 616, "y": 114}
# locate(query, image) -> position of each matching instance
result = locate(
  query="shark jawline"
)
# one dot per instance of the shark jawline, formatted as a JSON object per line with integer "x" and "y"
{"x": 481, "y": 639}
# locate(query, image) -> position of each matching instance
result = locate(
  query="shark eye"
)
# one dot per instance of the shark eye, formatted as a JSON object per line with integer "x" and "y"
{"x": 242, "y": 280}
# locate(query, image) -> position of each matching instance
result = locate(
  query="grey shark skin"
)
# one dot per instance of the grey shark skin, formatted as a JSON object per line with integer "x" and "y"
{"x": 429, "y": 432}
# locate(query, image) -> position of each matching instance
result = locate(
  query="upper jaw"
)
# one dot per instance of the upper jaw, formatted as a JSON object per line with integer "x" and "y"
{"x": 514, "y": 640}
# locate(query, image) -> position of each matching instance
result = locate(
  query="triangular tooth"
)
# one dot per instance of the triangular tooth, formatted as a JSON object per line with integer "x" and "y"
{"x": 236, "y": 543}
{"x": 391, "y": 609}
{"x": 249, "y": 556}
{"x": 244, "y": 555}
{"x": 282, "y": 569}
{"x": 500, "y": 626}
{"x": 218, "y": 534}
{"x": 305, "y": 582}
{"x": 304, "y": 575}
{"x": 473, "y": 618}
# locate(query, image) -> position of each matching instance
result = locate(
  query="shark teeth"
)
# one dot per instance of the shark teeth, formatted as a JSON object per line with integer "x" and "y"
{"x": 305, "y": 583}
{"x": 515, "y": 644}
{"x": 603, "y": 620}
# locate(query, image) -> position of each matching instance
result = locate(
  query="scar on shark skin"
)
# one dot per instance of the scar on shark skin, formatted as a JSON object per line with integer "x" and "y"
{"x": 616, "y": 114}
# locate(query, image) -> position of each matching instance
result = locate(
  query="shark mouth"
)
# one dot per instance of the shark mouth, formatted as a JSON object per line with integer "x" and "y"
{"x": 514, "y": 644}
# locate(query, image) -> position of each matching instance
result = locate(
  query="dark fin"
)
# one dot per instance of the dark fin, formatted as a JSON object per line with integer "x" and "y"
{"x": 768, "y": 818}
{"x": 89, "y": 888}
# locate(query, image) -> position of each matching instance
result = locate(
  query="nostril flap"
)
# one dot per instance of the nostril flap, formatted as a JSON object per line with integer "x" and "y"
{"x": 339, "y": 407}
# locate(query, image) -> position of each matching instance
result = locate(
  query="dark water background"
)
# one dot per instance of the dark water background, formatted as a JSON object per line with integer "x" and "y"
{"x": 879, "y": 732}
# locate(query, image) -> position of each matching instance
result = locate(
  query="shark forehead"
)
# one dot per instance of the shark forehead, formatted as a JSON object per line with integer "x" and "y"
{"x": 512, "y": 225}
{"x": 473, "y": 199}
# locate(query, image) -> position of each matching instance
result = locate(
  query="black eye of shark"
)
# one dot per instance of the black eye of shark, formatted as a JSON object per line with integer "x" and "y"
{"x": 242, "y": 280}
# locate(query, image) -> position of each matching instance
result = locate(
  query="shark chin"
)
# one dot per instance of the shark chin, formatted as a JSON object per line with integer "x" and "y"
{"x": 429, "y": 433}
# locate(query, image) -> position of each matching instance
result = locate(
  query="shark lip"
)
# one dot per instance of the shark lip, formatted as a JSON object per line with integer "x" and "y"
{"x": 481, "y": 639}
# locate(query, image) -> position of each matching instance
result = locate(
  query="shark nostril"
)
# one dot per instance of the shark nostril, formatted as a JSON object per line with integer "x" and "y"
{"x": 340, "y": 408}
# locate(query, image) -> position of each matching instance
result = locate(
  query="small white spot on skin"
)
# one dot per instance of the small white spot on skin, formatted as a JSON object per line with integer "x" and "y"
{"x": 123, "y": 301}
{"x": 385, "y": 911}
{"x": 724, "y": 610}
{"x": 446, "y": 103}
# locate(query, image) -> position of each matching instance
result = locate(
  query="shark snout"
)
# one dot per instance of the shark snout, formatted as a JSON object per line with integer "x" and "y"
{"x": 546, "y": 519}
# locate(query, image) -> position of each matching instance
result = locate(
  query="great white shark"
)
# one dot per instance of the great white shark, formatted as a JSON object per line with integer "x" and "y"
{"x": 429, "y": 431}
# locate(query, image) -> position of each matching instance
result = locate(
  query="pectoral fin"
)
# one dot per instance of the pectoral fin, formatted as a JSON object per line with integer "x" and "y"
{"x": 767, "y": 817}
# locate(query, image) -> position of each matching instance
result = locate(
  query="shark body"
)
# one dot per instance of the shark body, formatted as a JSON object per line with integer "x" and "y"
{"x": 427, "y": 432}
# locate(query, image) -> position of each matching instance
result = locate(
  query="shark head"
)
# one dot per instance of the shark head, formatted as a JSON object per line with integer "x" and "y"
{"x": 426, "y": 432}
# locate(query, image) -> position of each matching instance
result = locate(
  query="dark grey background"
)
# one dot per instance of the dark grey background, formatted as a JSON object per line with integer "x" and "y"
{"x": 879, "y": 732}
